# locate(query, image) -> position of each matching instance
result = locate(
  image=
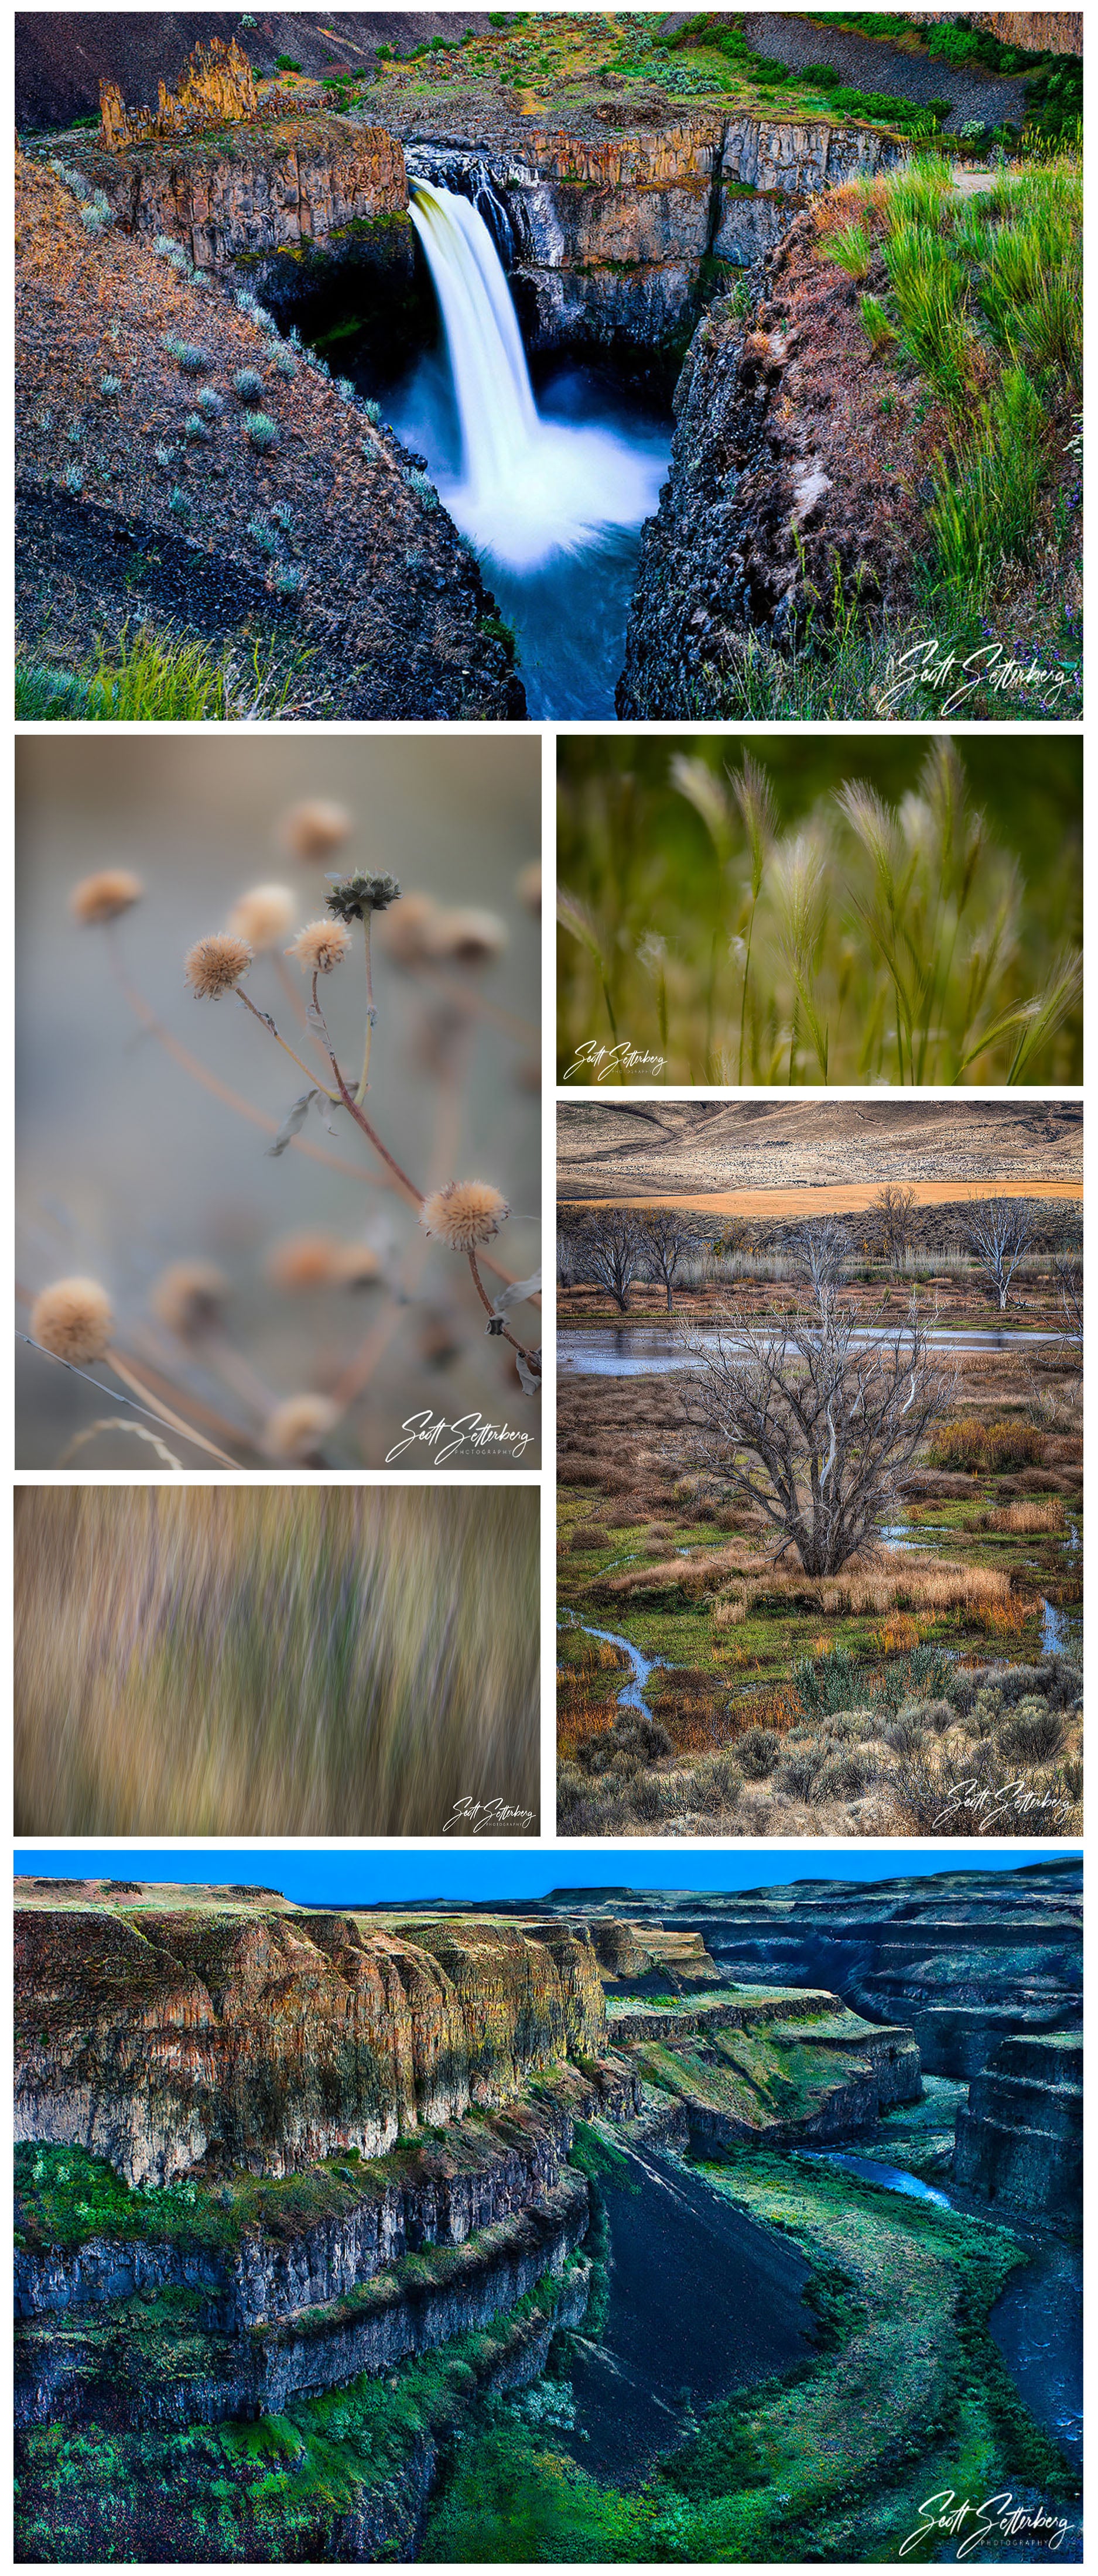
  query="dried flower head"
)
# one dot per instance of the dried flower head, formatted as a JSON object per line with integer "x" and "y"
{"x": 295, "y": 1429}
{"x": 352, "y": 897}
{"x": 188, "y": 1297}
{"x": 74, "y": 1319}
{"x": 408, "y": 934}
{"x": 303, "y": 1261}
{"x": 356, "y": 1266}
{"x": 214, "y": 966}
{"x": 263, "y": 916}
{"x": 104, "y": 896}
{"x": 528, "y": 889}
{"x": 469, "y": 938}
{"x": 464, "y": 1213}
{"x": 316, "y": 830}
{"x": 319, "y": 947}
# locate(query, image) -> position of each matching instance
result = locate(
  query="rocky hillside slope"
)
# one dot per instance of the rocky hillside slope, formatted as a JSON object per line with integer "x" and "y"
{"x": 178, "y": 462}
{"x": 672, "y": 1148}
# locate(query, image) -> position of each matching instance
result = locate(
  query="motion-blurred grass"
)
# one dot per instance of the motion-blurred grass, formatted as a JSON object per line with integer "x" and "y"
{"x": 665, "y": 905}
{"x": 275, "y": 1661}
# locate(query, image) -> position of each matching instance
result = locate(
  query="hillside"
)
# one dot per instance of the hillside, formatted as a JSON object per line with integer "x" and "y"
{"x": 676, "y": 1148}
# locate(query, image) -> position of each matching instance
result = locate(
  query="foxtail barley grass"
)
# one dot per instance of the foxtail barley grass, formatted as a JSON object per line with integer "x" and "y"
{"x": 274, "y": 1661}
{"x": 876, "y": 943}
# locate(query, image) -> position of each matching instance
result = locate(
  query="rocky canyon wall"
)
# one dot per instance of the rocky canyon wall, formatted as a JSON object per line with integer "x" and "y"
{"x": 158, "y": 2039}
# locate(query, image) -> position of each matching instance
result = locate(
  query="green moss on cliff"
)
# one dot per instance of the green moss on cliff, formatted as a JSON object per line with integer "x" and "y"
{"x": 263, "y": 2491}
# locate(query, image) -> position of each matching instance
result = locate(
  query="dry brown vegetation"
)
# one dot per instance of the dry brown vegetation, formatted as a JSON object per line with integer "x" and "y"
{"x": 918, "y": 1740}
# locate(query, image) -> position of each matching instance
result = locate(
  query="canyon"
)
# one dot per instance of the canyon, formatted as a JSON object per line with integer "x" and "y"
{"x": 271, "y": 2152}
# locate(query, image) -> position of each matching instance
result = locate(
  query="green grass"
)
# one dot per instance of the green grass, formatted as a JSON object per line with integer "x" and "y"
{"x": 848, "y": 938}
{"x": 155, "y": 679}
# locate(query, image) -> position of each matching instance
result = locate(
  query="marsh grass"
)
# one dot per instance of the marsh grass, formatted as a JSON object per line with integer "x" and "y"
{"x": 870, "y": 942}
{"x": 274, "y": 1661}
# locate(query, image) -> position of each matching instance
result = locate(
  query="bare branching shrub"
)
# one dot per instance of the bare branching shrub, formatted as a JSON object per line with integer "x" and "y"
{"x": 996, "y": 1233}
{"x": 811, "y": 1423}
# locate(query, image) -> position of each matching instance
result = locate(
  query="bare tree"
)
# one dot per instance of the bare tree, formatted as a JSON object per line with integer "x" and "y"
{"x": 666, "y": 1237}
{"x": 821, "y": 1250}
{"x": 1067, "y": 1269}
{"x": 891, "y": 1224}
{"x": 612, "y": 1248}
{"x": 813, "y": 1423}
{"x": 996, "y": 1232}
{"x": 571, "y": 1247}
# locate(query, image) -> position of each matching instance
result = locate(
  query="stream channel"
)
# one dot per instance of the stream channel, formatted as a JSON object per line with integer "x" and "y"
{"x": 705, "y": 2300}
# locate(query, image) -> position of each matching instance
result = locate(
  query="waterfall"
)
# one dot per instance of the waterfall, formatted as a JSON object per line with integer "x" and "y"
{"x": 529, "y": 489}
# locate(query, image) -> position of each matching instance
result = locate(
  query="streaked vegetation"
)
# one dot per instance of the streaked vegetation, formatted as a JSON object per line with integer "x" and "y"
{"x": 274, "y": 1661}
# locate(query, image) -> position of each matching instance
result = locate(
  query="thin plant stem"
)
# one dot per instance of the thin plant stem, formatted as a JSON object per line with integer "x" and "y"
{"x": 364, "y": 1077}
{"x": 269, "y": 1025}
{"x": 175, "y": 1421}
{"x": 166, "y": 1420}
{"x": 290, "y": 990}
{"x": 489, "y": 1309}
{"x": 743, "y": 994}
{"x": 199, "y": 1072}
{"x": 359, "y": 1115}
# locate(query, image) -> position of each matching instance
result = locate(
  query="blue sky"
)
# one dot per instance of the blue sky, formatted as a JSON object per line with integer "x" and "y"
{"x": 339, "y": 1876}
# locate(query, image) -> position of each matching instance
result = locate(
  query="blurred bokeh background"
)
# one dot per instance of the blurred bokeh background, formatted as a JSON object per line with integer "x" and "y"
{"x": 126, "y": 1164}
{"x": 635, "y": 853}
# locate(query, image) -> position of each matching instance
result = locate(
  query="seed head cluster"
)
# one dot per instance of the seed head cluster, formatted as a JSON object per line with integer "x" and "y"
{"x": 74, "y": 1319}
{"x": 319, "y": 947}
{"x": 303, "y": 1261}
{"x": 352, "y": 897}
{"x": 295, "y": 1429}
{"x": 263, "y": 916}
{"x": 188, "y": 1297}
{"x": 104, "y": 896}
{"x": 316, "y": 830}
{"x": 215, "y": 966}
{"x": 469, "y": 938}
{"x": 464, "y": 1213}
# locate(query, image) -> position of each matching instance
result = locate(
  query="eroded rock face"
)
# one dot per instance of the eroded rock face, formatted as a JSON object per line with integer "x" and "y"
{"x": 1020, "y": 2141}
{"x": 275, "y": 191}
{"x": 157, "y": 2040}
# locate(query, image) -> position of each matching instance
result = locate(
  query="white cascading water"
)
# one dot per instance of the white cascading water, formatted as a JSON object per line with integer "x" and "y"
{"x": 529, "y": 488}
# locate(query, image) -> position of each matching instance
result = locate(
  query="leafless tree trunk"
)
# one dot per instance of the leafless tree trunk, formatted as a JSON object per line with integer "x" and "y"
{"x": 891, "y": 1223}
{"x": 1068, "y": 1273}
{"x": 612, "y": 1244}
{"x": 666, "y": 1236}
{"x": 821, "y": 1250}
{"x": 996, "y": 1232}
{"x": 816, "y": 1428}
{"x": 571, "y": 1248}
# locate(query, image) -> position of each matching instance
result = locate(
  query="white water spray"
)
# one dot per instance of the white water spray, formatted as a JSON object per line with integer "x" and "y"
{"x": 529, "y": 488}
